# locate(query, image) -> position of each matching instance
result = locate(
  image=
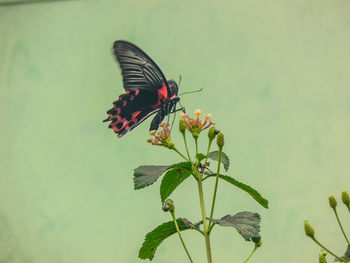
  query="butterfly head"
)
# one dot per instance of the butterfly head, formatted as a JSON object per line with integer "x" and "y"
{"x": 173, "y": 88}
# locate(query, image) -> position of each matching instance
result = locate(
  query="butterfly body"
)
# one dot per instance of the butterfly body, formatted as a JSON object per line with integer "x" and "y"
{"x": 147, "y": 91}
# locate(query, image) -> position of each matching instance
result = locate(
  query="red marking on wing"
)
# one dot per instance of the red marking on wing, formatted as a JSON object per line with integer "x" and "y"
{"x": 163, "y": 93}
{"x": 127, "y": 112}
{"x": 162, "y": 96}
{"x": 147, "y": 115}
{"x": 134, "y": 115}
{"x": 125, "y": 124}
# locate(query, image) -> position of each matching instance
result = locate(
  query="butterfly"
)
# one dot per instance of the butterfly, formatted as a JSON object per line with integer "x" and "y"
{"x": 148, "y": 92}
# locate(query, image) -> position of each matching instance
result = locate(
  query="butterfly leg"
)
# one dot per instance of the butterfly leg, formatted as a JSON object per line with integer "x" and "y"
{"x": 168, "y": 118}
{"x": 174, "y": 110}
{"x": 157, "y": 120}
{"x": 181, "y": 109}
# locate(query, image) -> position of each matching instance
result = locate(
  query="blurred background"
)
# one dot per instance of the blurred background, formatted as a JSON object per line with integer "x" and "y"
{"x": 276, "y": 78}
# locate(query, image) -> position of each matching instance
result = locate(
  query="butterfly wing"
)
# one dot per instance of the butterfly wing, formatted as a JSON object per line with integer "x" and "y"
{"x": 139, "y": 70}
{"x": 146, "y": 88}
{"x": 130, "y": 110}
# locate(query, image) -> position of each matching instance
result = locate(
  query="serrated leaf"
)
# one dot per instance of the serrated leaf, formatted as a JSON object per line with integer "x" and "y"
{"x": 182, "y": 165}
{"x": 145, "y": 175}
{"x": 246, "y": 223}
{"x": 224, "y": 158}
{"x": 252, "y": 192}
{"x": 154, "y": 238}
{"x": 200, "y": 156}
{"x": 346, "y": 255}
{"x": 172, "y": 179}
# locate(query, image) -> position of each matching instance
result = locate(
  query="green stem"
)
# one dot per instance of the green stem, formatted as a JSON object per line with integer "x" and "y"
{"x": 216, "y": 184}
{"x": 318, "y": 243}
{"x": 209, "y": 145}
{"x": 182, "y": 241}
{"x": 210, "y": 228}
{"x": 183, "y": 156}
{"x": 196, "y": 140}
{"x": 205, "y": 221}
{"x": 188, "y": 154}
{"x": 341, "y": 227}
{"x": 200, "y": 231}
{"x": 206, "y": 177}
{"x": 251, "y": 254}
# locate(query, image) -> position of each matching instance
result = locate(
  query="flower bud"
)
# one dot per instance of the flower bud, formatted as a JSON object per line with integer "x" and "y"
{"x": 345, "y": 198}
{"x": 169, "y": 204}
{"x": 197, "y": 112}
{"x": 211, "y": 133}
{"x": 322, "y": 257}
{"x": 309, "y": 231}
{"x": 332, "y": 202}
{"x": 165, "y": 208}
{"x": 169, "y": 144}
{"x": 220, "y": 140}
{"x": 182, "y": 126}
{"x": 195, "y": 134}
{"x": 183, "y": 115}
{"x": 207, "y": 116}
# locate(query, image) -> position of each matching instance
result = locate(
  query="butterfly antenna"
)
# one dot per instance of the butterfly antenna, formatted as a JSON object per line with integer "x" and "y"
{"x": 179, "y": 80}
{"x": 191, "y": 91}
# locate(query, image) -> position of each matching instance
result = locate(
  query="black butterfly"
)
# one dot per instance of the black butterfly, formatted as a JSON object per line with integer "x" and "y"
{"x": 147, "y": 91}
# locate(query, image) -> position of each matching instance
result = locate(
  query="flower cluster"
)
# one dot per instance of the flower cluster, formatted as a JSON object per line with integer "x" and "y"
{"x": 162, "y": 138}
{"x": 196, "y": 125}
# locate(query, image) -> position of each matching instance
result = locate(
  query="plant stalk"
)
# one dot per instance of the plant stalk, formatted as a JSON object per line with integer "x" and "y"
{"x": 340, "y": 225}
{"x": 206, "y": 156}
{"x": 318, "y": 243}
{"x": 251, "y": 254}
{"x": 183, "y": 156}
{"x": 196, "y": 141}
{"x": 216, "y": 184}
{"x": 185, "y": 141}
{"x": 205, "y": 221}
{"x": 182, "y": 241}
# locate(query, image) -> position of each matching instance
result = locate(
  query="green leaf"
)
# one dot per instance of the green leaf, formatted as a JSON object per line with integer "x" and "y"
{"x": 172, "y": 179}
{"x": 154, "y": 238}
{"x": 346, "y": 255}
{"x": 246, "y": 223}
{"x": 200, "y": 156}
{"x": 182, "y": 165}
{"x": 145, "y": 175}
{"x": 224, "y": 158}
{"x": 252, "y": 192}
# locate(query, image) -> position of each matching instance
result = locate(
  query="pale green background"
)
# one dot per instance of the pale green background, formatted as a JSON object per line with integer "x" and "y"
{"x": 276, "y": 77}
